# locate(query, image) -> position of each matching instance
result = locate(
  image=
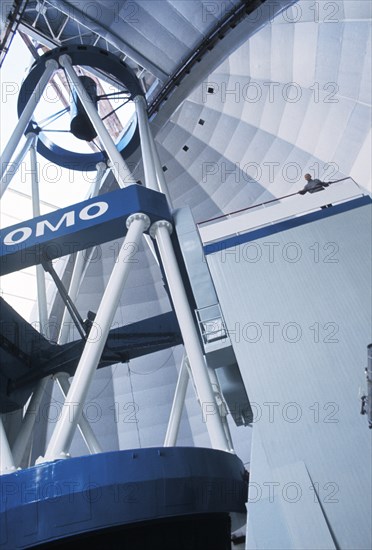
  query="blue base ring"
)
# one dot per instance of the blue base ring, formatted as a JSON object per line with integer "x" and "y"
{"x": 79, "y": 496}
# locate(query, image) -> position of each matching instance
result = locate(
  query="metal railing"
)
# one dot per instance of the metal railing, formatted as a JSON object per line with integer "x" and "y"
{"x": 278, "y": 209}
{"x": 211, "y": 324}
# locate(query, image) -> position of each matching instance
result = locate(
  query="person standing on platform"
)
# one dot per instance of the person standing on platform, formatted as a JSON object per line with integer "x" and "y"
{"x": 313, "y": 186}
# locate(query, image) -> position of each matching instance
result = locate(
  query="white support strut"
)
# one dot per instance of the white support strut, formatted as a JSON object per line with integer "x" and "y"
{"x": 221, "y": 404}
{"x": 50, "y": 67}
{"x": 161, "y": 232}
{"x": 28, "y": 422}
{"x": 177, "y": 405}
{"x": 77, "y": 272}
{"x": 66, "y": 425}
{"x": 163, "y": 186}
{"x": 118, "y": 165}
{"x": 85, "y": 428}
{"x": 40, "y": 274}
{"x": 14, "y": 166}
{"x": 6, "y": 458}
{"x": 30, "y": 415}
{"x": 151, "y": 180}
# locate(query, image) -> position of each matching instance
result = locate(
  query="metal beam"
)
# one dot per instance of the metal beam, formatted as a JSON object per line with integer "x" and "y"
{"x": 118, "y": 165}
{"x": 77, "y": 15}
{"x": 24, "y": 119}
{"x": 161, "y": 232}
{"x": 6, "y": 457}
{"x": 147, "y": 158}
{"x": 28, "y": 422}
{"x": 85, "y": 428}
{"x": 177, "y": 405}
{"x": 13, "y": 167}
{"x": 64, "y": 431}
{"x": 79, "y": 264}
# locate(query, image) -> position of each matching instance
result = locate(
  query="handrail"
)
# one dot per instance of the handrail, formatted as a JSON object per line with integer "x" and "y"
{"x": 267, "y": 202}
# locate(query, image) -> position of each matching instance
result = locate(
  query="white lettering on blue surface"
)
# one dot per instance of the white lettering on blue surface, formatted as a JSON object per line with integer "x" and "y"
{"x": 68, "y": 219}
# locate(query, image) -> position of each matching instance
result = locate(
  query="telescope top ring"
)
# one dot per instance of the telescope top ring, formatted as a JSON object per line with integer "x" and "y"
{"x": 110, "y": 65}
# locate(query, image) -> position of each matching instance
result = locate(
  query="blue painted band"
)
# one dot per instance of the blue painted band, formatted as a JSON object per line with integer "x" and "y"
{"x": 69, "y": 497}
{"x": 255, "y": 234}
{"x": 91, "y": 222}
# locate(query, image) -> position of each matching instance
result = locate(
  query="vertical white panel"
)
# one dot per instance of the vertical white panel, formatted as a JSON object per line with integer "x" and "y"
{"x": 298, "y": 308}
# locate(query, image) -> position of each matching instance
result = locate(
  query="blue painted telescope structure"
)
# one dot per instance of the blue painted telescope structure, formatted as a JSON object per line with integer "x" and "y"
{"x": 271, "y": 305}
{"x": 180, "y": 496}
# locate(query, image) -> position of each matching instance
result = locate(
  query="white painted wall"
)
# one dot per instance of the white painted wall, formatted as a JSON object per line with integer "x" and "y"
{"x": 298, "y": 308}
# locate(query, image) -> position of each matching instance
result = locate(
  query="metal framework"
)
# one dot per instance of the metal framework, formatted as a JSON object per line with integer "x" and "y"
{"x": 54, "y": 23}
{"x": 137, "y": 223}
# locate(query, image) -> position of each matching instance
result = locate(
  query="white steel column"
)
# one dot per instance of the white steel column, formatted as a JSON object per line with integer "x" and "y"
{"x": 14, "y": 166}
{"x": 85, "y": 428}
{"x": 101, "y": 171}
{"x": 221, "y": 405}
{"x": 161, "y": 231}
{"x": 66, "y": 425}
{"x": 28, "y": 421}
{"x": 118, "y": 165}
{"x": 146, "y": 149}
{"x": 177, "y": 405}
{"x": 163, "y": 186}
{"x": 72, "y": 292}
{"x": 40, "y": 274}
{"x": 6, "y": 458}
{"x": 154, "y": 175}
{"x": 79, "y": 265}
{"x": 50, "y": 66}
{"x": 29, "y": 418}
{"x": 149, "y": 165}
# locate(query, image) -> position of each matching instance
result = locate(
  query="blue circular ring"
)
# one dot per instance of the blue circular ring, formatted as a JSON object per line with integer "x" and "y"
{"x": 90, "y": 56}
{"x": 79, "y": 496}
